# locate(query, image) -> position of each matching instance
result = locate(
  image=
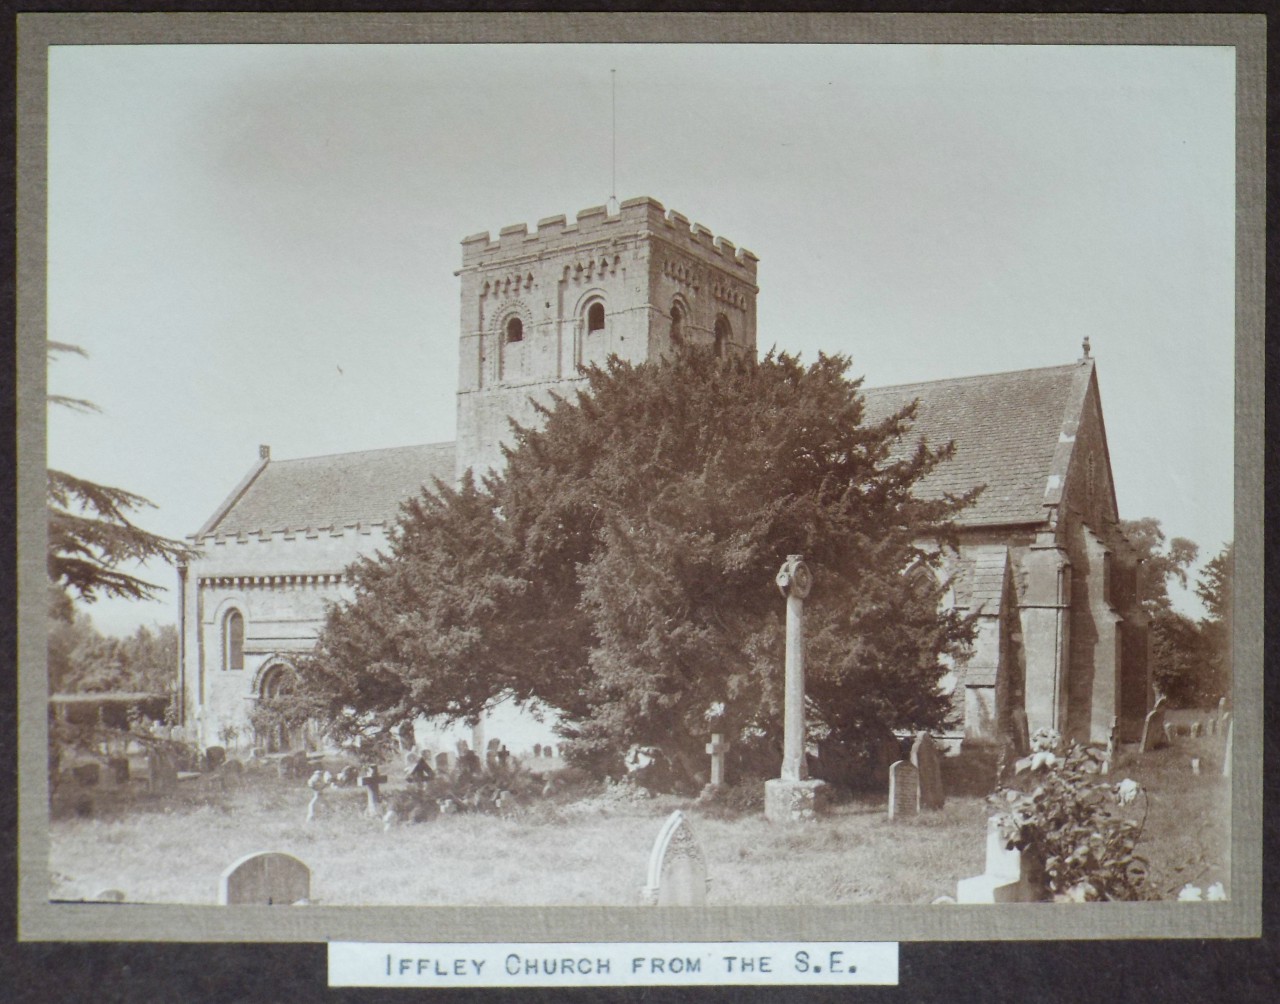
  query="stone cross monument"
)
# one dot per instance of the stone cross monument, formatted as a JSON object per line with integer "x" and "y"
{"x": 792, "y": 797}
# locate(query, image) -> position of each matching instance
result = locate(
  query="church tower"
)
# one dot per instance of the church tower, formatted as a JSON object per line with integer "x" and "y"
{"x": 538, "y": 308}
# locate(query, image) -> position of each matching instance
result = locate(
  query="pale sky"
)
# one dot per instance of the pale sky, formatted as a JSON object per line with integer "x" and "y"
{"x": 256, "y": 243}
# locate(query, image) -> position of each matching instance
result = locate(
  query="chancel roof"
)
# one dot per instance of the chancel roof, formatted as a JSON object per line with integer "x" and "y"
{"x": 342, "y": 489}
{"x": 1008, "y": 429}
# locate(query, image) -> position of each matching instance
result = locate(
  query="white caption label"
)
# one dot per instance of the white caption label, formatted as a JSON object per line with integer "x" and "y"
{"x": 359, "y": 964}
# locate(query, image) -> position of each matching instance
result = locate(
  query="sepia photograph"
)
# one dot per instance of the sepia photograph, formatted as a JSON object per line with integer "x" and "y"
{"x": 748, "y": 477}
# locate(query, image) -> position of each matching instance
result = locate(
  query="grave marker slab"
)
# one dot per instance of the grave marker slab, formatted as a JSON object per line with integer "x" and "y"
{"x": 677, "y": 873}
{"x": 904, "y": 790}
{"x": 1153, "y": 731}
{"x": 267, "y": 878}
{"x": 928, "y": 761}
{"x": 1006, "y": 879}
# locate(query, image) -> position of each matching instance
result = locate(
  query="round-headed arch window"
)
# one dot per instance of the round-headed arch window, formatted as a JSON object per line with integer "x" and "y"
{"x": 233, "y": 640}
{"x": 724, "y": 334}
{"x": 595, "y": 317}
{"x": 515, "y": 330}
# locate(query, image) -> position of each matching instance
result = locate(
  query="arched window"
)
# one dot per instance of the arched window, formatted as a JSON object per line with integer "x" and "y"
{"x": 233, "y": 640}
{"x": 677, "y": 324}
{"x": 724, "y": 334}
{"x": 515, "y": 330}
{"x": 595, "y": 317}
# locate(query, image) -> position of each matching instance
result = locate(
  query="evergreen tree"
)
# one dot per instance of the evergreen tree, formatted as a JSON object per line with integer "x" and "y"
{"x": 621, "y": 570}
{"x": 91, "y": 532}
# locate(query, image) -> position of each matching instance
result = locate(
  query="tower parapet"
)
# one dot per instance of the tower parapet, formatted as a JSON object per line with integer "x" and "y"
{"x": 540, "y": 307}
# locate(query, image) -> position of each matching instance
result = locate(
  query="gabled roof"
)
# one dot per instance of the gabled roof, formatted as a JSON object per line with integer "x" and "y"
{"x": 1013, "y": 433}
{"x": 338, "y": 490}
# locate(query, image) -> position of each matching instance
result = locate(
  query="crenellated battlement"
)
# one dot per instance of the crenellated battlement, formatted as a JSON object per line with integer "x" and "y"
{"x": 635, "y": 217}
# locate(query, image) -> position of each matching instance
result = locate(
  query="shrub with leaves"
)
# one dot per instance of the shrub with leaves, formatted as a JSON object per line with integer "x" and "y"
{"x": 1060, "y": 814}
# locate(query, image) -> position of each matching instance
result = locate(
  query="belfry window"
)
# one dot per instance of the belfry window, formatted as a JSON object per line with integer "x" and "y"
{"x": 233, "y": 641}
{"x": 724, "y": 334}
{"x": 595, "y": 317}
{"x": 515, "y": 330}
{"x": 677, "y": 324}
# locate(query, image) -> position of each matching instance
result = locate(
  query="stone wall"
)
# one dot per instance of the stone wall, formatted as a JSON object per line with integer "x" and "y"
{"x": 527, "y": 328}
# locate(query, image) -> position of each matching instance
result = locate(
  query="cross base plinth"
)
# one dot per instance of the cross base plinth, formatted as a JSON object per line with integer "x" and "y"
{"x": 795, "y": 801}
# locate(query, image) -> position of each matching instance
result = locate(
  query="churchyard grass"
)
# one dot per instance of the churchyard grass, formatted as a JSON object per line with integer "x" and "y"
{"x": 172, "y": 849}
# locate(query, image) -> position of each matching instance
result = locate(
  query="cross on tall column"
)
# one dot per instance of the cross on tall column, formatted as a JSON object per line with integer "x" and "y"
{"x": 795, "y": 580}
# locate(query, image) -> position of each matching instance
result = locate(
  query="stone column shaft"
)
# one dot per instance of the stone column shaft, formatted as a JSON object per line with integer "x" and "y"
{"x": 793, "y": 759}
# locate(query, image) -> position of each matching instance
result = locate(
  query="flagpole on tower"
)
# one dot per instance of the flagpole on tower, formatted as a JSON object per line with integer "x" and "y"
{"x": 613, "y": 132}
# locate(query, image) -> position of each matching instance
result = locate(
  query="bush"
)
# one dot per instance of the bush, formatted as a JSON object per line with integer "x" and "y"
{"x": 1080, "y": 851}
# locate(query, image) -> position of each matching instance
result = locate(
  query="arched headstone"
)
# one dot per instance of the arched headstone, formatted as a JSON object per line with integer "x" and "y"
{"x": 267, "y": 878}
{"x": 677, "y": 869}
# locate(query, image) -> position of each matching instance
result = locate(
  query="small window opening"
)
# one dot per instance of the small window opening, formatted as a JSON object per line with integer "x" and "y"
{"x": 724, "y": 334}
{"x": 595, "y": 317}
{"x": 234, "y": 647}
{"x": 515, "y": 330}
{"x": 677, "y": 324}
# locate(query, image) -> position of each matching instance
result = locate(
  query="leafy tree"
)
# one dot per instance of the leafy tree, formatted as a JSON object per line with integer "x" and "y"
{"x": 1179, "y": 655}
{"x": 621, "y": 569}
{"x": 1161, "y": 563}
{"x": 91, "y": 533}
{"x": 1215, "y": 590}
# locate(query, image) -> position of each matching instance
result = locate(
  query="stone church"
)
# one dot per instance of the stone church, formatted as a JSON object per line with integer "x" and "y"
{"x": 1039, "y": 556}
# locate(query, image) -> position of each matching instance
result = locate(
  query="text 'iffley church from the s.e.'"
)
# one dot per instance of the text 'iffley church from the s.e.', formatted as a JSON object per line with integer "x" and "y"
{"x": 1040, "y": 556}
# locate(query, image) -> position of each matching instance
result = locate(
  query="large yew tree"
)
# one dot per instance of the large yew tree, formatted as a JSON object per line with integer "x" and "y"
{"x": 621, "y": 570}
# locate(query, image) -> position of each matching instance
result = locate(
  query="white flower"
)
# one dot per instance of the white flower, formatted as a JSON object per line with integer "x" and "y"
{"x": 1189, "y": 894}
{"x": 1042, "y": 759}
{"x": 1215, "y": 892}
{"x": 1127, "y": 790}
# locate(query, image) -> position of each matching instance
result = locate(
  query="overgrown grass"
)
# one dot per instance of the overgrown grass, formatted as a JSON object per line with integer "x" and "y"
{"x": 173, "y": 849}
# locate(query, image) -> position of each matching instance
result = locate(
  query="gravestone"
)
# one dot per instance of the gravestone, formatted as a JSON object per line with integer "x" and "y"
{"x": 419, "y": 772}
{"x": 372, "y": 782}
{"x": 162, "y": 775}
{"x": 504, "y": 755}
{"x": 442, "y": 762}
{"x": 1007, "y": 877}
{"x": 904, "y": 790}
{"x": 318, "y": 782}
{"x": 493, "y": 746}
{"x": 537, "y": 750}
{"x": 215, "y": 757}
{"x": 1021, "y": 731}
{"x": 794, "y": 797}
{"x": 119, "y": 767}
{"x": 1196, "y": 728}
{"x": 87, "y": 774}
{"x": 1170, "y": 732}
{"x": 1153, "y": 733}
{"x": 265, "y": 879}
{"x": 469, "y": 764}
{"x": 547, "y": 752}
{"x": 677, "y": 873}
{"x": 717, "y": 748}
{"x": 928, "y": 761}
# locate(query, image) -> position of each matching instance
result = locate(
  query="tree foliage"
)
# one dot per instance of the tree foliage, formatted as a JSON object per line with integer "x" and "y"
{"x": 91, "y": 531}
{"x": 621, "y": 570}
{"x": 1190, "y": 658}
{"x": 83, "y": 660}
